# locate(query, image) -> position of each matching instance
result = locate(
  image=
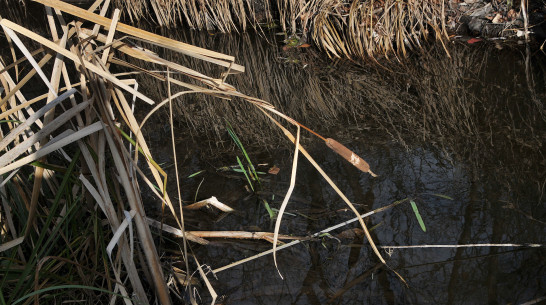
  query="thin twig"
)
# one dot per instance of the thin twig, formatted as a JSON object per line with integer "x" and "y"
{"x": 463, "y": 246}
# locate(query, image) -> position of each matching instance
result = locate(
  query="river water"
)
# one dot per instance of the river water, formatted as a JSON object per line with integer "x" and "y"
{"x": 462, "y": 136}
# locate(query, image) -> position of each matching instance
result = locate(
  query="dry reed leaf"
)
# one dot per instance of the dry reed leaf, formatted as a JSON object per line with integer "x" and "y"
{"x": 119, "y": 231}
{"x": 350, "y": 156}
{"x": 120, "y": 62}
{"x": 10, "y": 244}
{"x": 30, "y": 120}
{"x": 67, "y": 54}
{"x": 42, "y": 134}
{"x": 286, "y": 198}
{"x": 211, "y": 201}
{"x": 149, "y": 56}
{"x": 110, "y": 36}
{"x": 211, "y": 56}
{"x": 23, "y": 81}
{"x": 207, "y": 283}
{"x": 102, "y": 13}
{"x": 93, "y": 191}
{"x": 28, "y": 56}
{"x": 44, "y": 151}
{"x": 7, "y": 83}
{"x": 243, "y": 235}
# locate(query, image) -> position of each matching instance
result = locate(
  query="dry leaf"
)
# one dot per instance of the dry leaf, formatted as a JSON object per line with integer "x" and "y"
{"x": 498, "y": 19}
{"x": 473, "y": 40}
{"x": 274, "y": 170}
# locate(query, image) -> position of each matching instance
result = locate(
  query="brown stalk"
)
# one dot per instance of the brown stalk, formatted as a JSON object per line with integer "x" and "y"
{"x": 350, "y": 156}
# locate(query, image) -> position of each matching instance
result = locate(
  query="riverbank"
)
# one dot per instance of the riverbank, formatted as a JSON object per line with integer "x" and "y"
{"x": 354, "y": 30}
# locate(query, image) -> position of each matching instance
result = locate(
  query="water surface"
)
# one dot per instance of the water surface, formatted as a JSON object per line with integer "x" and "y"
{"x": 461, "y": 136}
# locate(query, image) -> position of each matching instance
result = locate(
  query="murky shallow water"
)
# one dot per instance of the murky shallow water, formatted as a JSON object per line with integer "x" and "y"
{"x": 470, "y": 128}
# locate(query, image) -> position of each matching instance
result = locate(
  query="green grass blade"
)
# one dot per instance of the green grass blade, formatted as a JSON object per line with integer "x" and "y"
{"x": 39, "y": 244}
{"x": 2, "y": 301}
{"x": 195, "y": 174}
{"x": 49, "y": 166}
{"x": 244, "y": 172}
{"x": 240, "y": 171}
{"x": 72, "y": 287}
{"x": 442, "y": 196}
{"x": 269, "y": 210}
{"x": 242, "y": 148}
{"x": 418, "y": 215}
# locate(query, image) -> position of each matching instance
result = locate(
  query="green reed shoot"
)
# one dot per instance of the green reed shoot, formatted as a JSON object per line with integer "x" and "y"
{"x": 252, "y": 170}
{"x": 418, "y": 215}
{"x": 244, "y": 172}
{"x": 270, "y": 211}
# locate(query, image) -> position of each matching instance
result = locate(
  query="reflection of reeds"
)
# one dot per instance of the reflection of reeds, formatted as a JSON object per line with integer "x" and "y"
{"x": 304, "y": 86}
{"x": 430, "y": 98}
{"x": 14, "y": 11}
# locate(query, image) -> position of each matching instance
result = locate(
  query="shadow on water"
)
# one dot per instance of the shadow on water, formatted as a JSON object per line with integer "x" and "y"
{"x": 462, "y": 136}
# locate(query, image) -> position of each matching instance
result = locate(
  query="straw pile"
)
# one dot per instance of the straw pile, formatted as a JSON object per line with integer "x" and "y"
{"x": 350, "y": 29}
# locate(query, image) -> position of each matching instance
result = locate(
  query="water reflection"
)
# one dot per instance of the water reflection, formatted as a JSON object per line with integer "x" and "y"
{"x": 470, "y": 127}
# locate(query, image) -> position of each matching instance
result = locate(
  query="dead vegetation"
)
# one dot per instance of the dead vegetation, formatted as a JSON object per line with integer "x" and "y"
{"x": 71, "y": 200}
{"x": 349, "y": 29}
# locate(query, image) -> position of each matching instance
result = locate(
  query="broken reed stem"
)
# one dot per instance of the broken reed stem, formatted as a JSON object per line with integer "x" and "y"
{"x": 463, "y": 246}
{"x": 182, "y": 227}
{"x": 290, "y": 244}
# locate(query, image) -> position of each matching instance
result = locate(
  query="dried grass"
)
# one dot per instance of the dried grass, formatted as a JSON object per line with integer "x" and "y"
{"x": 99, "y": 173}
{"x": 350, "y": 29}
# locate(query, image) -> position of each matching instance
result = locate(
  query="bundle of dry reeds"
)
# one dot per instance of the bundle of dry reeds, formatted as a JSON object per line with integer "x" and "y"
{"x": 69, "y": 150}
{"x": 350, "y": 29}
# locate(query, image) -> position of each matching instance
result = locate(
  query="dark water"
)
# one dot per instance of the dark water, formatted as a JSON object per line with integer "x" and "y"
{"x": 463, "y": 137}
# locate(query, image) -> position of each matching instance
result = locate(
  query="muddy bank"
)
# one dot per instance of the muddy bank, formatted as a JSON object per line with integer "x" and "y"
{"x": 357, "y": 30}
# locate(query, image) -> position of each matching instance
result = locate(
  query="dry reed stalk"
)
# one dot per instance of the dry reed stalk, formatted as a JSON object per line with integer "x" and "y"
{"x": 352, "y": 29}
{"x": 295, "y": 242}
{"x": 198, "y": 236}
{"x": 244, "y": 235}
{"x": 204, "y": 54}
